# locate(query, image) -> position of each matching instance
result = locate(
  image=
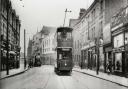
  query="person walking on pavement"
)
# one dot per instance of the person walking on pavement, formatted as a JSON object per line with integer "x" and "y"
{"x": 109, "y": 67}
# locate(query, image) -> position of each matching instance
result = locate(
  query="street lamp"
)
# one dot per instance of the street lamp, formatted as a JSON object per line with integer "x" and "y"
{"x": 0, "y": 32}
{"x": 126, "y": 41}
{"x": 126, "y": 52}
{"x": 7, "y": 46}
{"x": 24, "y": 48}
{"x": 65, "y": 16}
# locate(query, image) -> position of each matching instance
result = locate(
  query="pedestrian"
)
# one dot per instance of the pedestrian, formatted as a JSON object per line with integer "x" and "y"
{"x": 109, "y": 67}
{"x": 117, "y": 65}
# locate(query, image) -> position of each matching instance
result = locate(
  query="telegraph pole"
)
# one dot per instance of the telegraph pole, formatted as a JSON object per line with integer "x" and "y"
{"x": 65, "y": 16}
{"x": 24, "y": 48}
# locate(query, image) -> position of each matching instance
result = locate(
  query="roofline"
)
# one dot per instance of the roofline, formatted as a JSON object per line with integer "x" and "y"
{"x": 87, "y": 11}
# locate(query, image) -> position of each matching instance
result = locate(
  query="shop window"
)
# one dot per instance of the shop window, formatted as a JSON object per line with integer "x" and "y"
{"x": 118, "y": 62}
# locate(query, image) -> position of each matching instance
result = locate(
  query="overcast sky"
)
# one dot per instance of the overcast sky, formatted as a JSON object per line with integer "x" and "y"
{"x": 34, "y": 14}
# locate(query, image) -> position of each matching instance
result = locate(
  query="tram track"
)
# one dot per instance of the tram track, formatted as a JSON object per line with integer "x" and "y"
{"x": 78, "y": 80}
{"x": 47, "y": 81}
{"x": 63, "y": 83}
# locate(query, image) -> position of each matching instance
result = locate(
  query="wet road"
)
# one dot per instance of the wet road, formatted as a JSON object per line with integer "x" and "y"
{"x": 45, "y": 78}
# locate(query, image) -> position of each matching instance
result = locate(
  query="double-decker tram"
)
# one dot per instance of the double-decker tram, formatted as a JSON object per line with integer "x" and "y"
{"x": 64, "y": 43}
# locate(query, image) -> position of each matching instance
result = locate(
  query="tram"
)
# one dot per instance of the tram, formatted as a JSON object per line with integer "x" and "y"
{"x": 64, "y": 43}
{"x": 37, "y": 62}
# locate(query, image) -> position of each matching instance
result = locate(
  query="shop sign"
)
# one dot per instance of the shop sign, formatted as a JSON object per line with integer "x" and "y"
{"x": 116, "y": 21}
{"x": 125, "y": 15}
{"x": 65, "y": 49}
{"x": 120, "y": 18}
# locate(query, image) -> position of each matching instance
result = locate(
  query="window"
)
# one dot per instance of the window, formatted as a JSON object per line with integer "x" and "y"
{"x": 94, "y": 33}
{"x": 78, "y": 44}
{"x": 93, "y": 14}
{"x": 69, "y": 35}
{"x": 59, "y": 35}
{"x": 101, "y": 29}
{"x": 118, "y": 62}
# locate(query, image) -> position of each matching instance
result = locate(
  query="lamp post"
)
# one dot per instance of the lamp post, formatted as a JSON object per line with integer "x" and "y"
{"x": 7, "y": 45}
{"x": 0, "y": 32}
{"x": 65, "y": 16}
{"x": 24, "y": 48}
{"x": 126, "y": 55}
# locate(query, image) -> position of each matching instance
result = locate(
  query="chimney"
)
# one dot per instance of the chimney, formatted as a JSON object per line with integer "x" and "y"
{"x": 82, "y": 11}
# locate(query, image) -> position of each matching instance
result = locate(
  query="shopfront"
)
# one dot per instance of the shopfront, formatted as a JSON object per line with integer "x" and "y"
{"x": 118, "y": 60}
{"x": 84, "y": 57}
{"x": 126, "y": 51}
{"x": 119, "y": 30}
{"x": 88, "y": 55}
{"x": 118, "y": 51}
{"x": 107, "y": 56}
{"x": 92, "y": 58}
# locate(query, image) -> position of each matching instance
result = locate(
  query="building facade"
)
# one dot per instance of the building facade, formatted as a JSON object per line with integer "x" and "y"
{"x": 10, "y": 33}
{"x": 76, "y": 33}
{"x": 102, "y": 31}
{"x": 36, "y": 43}
{"x": 48, "y": 51}
{"x": 90, "y": 27}
{"x": 111, "y": 8}
{"x": 119, "y": 25}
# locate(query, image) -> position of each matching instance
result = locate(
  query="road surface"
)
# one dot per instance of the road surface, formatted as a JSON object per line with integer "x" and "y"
{"x": 45, "y": 78}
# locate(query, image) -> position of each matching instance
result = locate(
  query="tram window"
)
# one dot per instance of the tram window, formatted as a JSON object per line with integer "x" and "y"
{"x": 59, "y": 35}
{"x": 68, "y": 35}
{"x": 64, "y": 34}
{"x": 66, "y": 54}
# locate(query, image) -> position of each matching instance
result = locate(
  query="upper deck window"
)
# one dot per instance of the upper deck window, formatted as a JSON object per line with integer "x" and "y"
{"x": 64, "y": 35}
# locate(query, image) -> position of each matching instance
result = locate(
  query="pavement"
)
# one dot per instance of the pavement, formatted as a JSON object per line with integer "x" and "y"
{"x": 13, "y": 72}
{"x": 123, "y": 81}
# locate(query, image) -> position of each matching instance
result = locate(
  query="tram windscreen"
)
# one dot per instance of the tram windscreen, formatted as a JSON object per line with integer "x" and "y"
{"x": 66, "y": 54}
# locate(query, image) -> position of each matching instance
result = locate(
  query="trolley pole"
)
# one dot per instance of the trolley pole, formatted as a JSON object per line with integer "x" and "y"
{"x": 65, "y": 16}
{"x": 0, "y": 34}
{"x": 24, "y": 48}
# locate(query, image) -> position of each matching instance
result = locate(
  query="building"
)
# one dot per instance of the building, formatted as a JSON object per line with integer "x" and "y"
{"x": 89, "y": 28}
{"x": 48, "y": 51}
{"x": 36, "y": 41}
{"x": 103, "y": 36}
{"x": 76, "y": 25}
{"x": 10, "y": 24}
{"x": 119, "y": 31}
{"x": 111, "y": 8}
